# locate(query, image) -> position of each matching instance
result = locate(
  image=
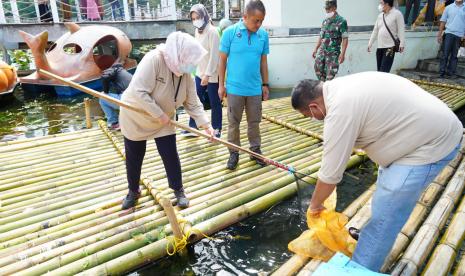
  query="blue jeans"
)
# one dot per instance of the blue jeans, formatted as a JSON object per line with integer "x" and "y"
{"x": 115, "y": 7}
{"x": 215, "y": 103}
{"x": 449, "y": 55}
{"x": 110, "y": 109}
{"x": 398, "y": 189}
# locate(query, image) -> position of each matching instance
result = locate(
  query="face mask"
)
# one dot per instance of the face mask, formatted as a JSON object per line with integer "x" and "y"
{"x": 380, "y": 7}
{"x": 187, "y": 68}
{"x": 313, "y": 116}
{"x": 198, "y": 23}
{"x": 329, "y": 14}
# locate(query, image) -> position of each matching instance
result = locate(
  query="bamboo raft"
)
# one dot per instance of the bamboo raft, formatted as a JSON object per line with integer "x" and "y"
{"x": 60, "y": 195}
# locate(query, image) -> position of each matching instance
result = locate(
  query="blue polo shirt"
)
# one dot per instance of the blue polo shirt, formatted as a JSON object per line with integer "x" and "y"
{"x": 454, "y": 16}
{"x": 244, "y": 52}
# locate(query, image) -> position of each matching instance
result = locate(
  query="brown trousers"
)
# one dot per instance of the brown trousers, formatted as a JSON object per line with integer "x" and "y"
{"x": 253, "y": 111}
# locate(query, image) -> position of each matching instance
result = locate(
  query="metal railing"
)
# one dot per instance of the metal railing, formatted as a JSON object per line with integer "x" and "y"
{"x": 38, "y": 11}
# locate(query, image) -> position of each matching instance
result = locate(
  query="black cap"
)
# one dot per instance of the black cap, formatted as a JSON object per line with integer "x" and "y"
{"x": 330, "y": 3}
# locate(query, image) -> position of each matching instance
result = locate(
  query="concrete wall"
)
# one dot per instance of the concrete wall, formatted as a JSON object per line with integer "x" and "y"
{"x": 135, "y": 30}
{"x": 290, "y": 58}
{"x": 310, "y": 13}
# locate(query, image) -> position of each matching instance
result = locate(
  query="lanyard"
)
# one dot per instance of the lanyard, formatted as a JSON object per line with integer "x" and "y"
{"x": 174, "y": 87}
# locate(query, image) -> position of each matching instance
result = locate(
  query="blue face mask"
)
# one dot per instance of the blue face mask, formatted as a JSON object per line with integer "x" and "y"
{"x": 187, "y": 68}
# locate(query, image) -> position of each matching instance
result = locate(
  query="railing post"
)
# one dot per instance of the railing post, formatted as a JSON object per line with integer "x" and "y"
{"x": 172, "y": 10}
{"x": 2, "y": 14}
{"x": 14, "y": 11}
{"x": 36, "y": 6}
{"x": 226, "y": 9}
{"x": 53, "y": 6}
{"x": 127, "y": 16}
{"x": 214, "y": 9}
{"x": 78, "y": 10}
{"x": 135, "y": 9}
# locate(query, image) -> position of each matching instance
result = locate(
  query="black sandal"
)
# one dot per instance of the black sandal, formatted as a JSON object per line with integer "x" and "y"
{"x": 354, "y": 233}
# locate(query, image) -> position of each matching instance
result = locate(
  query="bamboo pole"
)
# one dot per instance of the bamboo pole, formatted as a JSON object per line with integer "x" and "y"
{"x": 422, "y": 244}
{"x": 87, "y": 111}
{"x": 444, "y": 255}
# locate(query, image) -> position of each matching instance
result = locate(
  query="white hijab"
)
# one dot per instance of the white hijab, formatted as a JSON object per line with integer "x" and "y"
{"x": 181, "y": 50}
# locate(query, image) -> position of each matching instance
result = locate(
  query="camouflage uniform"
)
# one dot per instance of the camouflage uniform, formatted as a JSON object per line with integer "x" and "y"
{"x": 327, "y": 60}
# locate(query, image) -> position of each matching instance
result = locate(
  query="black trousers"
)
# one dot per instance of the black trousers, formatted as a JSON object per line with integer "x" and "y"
{"x": 429, "y": 17}
{"x": 408, "y": 8}
{"x": 135, "y": 152}
{"x": 384, "y": 59}
{"x": 45, "y": 13}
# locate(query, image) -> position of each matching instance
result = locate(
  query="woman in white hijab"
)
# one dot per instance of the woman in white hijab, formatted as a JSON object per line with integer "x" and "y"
{"x": 161, "y": 84}
{"x": 206, "y": 75}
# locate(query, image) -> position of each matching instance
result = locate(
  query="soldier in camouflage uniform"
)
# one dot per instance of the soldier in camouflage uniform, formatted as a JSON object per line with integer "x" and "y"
{"x": 332, "y": 44}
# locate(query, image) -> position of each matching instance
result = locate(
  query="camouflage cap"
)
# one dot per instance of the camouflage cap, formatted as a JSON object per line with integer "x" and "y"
{"x": 330, "y": 3}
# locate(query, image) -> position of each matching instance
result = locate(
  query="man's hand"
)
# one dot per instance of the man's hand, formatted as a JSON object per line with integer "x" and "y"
{"x": 314, "y": 211}
{"x": 314, "y": 53}
{"x": 342, "y": 58}
{"x": 401, "y": 49}
{"x": 221, "y": 92}
{"x": 265, "y": 93}
{"x": 164, "y": 120}
{"x": 369, "y": 49}
{"x": 440, "y": 37}
{"x": 204, "y": 81}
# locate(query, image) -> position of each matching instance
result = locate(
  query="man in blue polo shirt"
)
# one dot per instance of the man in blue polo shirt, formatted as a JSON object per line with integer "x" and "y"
{"x": 243, "y": 51}
{"x": 453, "y": 19}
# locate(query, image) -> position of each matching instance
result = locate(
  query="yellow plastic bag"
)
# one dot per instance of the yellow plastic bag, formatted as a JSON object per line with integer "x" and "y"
{"x": 326, "y": 236}
{"x": 438, "y": 11}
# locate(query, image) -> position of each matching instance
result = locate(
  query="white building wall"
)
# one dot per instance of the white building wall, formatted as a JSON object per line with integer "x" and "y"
{"x": 290, "y": 58}
{"x": 310, "y": 13}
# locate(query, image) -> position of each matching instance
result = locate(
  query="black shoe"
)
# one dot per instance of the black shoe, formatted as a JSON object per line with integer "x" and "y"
{"x": 130, "y": 200}
{"x": 354, "y": 233}
{"x": 257, "y": 160}
{"x": 233, "y": 160}
{"x": 181, "y": 199}
{"x": 441, "y": 75}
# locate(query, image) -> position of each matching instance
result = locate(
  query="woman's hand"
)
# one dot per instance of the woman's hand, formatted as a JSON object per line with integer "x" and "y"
{"x": 164, "y": 120}
{"x": 204, "y": 81}
{"x": 208, "y": 129}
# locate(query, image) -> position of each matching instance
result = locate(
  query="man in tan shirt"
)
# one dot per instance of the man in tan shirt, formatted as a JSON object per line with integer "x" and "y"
{"x": 410, "y": 133}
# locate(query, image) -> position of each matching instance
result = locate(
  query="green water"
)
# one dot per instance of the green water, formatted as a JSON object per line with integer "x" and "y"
{"x": 257, "y": 244}
{"x": 24, "y": 116}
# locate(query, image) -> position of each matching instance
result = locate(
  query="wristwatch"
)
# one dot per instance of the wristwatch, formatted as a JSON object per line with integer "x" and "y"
{"x": 265, "y": 84}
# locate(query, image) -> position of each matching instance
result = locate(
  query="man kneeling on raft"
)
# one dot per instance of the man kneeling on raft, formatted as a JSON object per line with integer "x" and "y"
{"x": 410, "y": 133}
